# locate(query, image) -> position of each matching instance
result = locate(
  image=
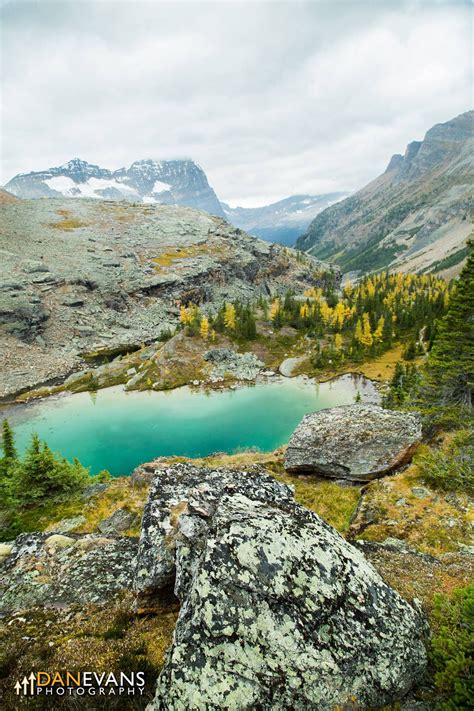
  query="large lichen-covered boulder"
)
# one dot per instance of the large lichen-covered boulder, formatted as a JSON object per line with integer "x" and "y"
{"x": 278, "y": 611}
{"x": 356, "y": 442}
{"x": 44, "y": 569}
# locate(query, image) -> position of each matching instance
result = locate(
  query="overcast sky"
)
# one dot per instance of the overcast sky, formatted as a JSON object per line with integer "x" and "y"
{"x": 270, "y": 98}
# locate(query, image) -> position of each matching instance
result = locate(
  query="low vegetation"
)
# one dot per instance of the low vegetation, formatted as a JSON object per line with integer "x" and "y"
{"x": 452, "y": 620}
{"x": 38, "y": 478}
{"x": 105, "y": 638}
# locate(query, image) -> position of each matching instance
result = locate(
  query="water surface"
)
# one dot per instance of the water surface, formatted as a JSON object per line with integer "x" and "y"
{"x": 115, "y": 430}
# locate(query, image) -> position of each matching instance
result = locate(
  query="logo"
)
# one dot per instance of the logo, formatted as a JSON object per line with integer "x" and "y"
{"x": 86, "y": 683}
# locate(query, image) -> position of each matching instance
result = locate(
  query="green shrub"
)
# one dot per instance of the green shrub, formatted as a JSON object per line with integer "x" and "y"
{"x": 449, "y": 468}
{"x": 451, "y": 649}
{"x": 38, "y": 474}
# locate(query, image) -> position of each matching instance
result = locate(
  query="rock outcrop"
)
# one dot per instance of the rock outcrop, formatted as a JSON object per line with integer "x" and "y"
{"x": 278, "y": 611}
{"x": 57, "y": 570}
{"x": 108, "y": 277}
{"x": 225, "y": 361}
{"x": 356, "y": 442}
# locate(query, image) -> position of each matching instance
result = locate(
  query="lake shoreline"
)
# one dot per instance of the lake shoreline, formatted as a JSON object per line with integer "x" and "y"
{"x": 188, "y": 421}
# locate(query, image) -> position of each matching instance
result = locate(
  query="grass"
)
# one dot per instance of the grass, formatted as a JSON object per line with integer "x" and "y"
{"x": 103, "y": 638}
{"x": 67, "y": 224}
{"x": 177, "y": 254}
{"x": 118, "y": 495}
{"x": 380, "y": 369}
{"x": 431, "y": 524}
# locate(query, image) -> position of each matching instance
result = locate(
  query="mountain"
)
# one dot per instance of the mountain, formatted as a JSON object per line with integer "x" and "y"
{"x": 171, "y": 182}
{"x": 282, "y": 221}
{"x": 414, "y": 217}
{"x": 6, "y": 197}
{"x": 77, "y": 274}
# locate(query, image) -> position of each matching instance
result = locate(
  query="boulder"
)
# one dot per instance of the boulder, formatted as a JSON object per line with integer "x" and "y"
{"x": 118, "y": 522}
{"x": 356, "y": 442}
{"x": 278, "y": 611}
{"x": 41, "y": 569}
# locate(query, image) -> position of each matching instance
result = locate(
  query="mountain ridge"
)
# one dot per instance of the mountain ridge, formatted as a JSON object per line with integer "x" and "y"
{"x": 169, "y": 182}
{"x": 282, "y": 220}
{"x": 411, "y": 217}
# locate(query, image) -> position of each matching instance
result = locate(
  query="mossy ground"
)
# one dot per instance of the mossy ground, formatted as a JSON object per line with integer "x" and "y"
{"x": 435, "y": 524}
{"x": 100, "y": 638}
{"x": 120, "y": 494}
{"x": 173, "y": 255}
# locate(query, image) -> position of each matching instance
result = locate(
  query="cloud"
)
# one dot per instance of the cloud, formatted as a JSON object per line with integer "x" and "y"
{"x": 271, "y": 98}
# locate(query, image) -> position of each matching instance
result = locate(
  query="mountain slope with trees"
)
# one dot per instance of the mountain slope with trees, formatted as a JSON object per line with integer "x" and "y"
{"x": 414, "y": 217}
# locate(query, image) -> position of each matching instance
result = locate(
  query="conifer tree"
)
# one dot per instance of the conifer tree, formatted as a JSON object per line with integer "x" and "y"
{"x": 204, "y": 328}
{"x": 8, "y": 442}
{"x": 229, "y": 317}
{"x": 449, "y": 373}
{"x": 8, "y": 464}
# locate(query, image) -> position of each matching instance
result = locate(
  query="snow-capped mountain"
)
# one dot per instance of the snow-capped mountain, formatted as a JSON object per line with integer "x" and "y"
{"x": 177, "y": 182}
{"x": 283, "y": 221}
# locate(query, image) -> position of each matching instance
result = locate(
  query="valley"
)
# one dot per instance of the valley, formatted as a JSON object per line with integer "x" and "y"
{"x": 190, "y": 412}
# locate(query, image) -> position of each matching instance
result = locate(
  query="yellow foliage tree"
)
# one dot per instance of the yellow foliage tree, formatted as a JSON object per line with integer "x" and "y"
{"x": 229, "y": 317}
{"x": 339, "y": 315}
{"x": 348, "y": 288}
{"x": 378, "y": 333}
{"x": 304, "y": 311}
{"x": 326, "y": 312}
{"x": 204, "y": 328}
{"x": 367, "y": 338}
{"x": 275, "y": 309}
{"x": 338, "y": 341}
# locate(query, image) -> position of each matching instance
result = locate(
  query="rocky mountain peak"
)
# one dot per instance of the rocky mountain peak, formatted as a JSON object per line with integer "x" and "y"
{"x": 412, "y": 218}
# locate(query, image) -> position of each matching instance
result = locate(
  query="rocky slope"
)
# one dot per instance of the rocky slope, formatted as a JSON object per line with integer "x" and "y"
{"x": 170, "y": 182}
{"x": 282, "y": 221}
{"x": 414, "y": 217}
{"x": 77, "y": 275}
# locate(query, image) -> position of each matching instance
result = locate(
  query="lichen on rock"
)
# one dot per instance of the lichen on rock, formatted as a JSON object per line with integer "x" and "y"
{"x": 356, "y": 442}
{"x": 278, "y": 611}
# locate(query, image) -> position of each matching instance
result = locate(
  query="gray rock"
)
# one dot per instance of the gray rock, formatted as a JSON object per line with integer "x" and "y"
{"x": 357, "y": 442}
{"x": 93, "y": 490}
{"x": 120, "y": 521}
{"x": 68, "y": 524}
{"x": 289, "y": 364}
{"x": 278, "y": 611}
{"x": 53, "y": 570}
{"x": 420, "y": 492}
{"x": 242, "y": 366}
{"x": 73, "y": 301}
{"x": 32, "y": 267}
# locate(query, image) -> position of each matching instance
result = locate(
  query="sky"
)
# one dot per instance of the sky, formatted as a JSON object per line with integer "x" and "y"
{"x": 270, "y": 98}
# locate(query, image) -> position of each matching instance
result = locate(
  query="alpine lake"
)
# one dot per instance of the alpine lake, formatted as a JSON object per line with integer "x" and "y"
{"x": 117, "y": 430}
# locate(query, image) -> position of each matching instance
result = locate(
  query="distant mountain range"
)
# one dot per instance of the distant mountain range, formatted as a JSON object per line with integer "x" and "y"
{"x": 177, "y": 182}
{"x": 283, "y": 221}
{"x": 172, "y": 182}
{"x": 414, "y": 217}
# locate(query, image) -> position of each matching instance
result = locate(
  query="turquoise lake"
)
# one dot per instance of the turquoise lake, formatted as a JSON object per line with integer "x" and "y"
{"x": 115, "y": 430}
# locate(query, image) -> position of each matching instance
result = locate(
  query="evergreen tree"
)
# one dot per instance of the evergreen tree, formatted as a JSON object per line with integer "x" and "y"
{"x": 8, "y": 442}
{"x": 42, "y": 474}
{"x": 8, "y": 464}
{"x": 449, "y": 373}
